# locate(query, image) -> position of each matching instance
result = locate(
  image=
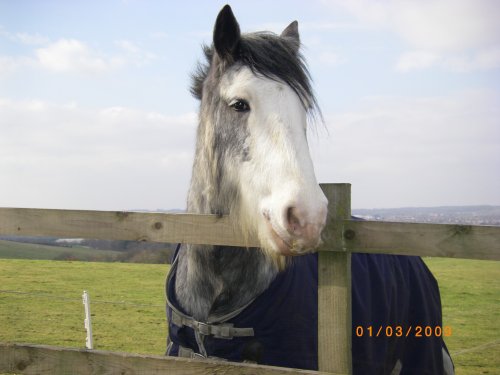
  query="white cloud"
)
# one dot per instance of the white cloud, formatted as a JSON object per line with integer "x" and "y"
{"x": 134, "y": 53}
{"x": 11, "y": 64}
{"x": 415, "y": 151}
{"x": 483, "y": 60}
{"x": 24, "y": 38}
{"x": 448, "y": 25}
{"x": 331, "y": 58}
{"x": 31, "y": 39}
{"x": 455, "y": 34}
{"x": 128, "y": 46}
{"x": 416, "y": 60}
{"x": 66, "y": 156}
{"x": 65, "y": 55}
{"x": 331, "y": 26}
{"x": 369, "y": 12}
{"x": 442, "y": 25}
{"x": 70, "y": 55}
{"x": 7, "y": 65}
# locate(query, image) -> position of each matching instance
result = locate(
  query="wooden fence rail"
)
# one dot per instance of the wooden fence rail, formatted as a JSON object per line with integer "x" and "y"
{"x": 342, "y": 236}
{"x": 49, "y": 360}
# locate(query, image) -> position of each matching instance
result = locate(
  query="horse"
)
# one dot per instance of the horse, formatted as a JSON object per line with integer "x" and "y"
{"x": 252, "y": 161}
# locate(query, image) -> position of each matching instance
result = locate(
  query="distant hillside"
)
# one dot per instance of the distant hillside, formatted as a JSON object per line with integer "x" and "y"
{"x": 17, "y": 250}
{"x": 473, "y": 215}
{"x": 14, "y": 247}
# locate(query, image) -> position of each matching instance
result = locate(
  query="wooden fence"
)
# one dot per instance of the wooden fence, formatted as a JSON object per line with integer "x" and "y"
{"x": 342, "y": 235}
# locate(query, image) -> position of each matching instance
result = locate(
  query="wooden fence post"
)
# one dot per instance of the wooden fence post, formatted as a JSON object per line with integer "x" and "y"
{"x": 334, "y": 290}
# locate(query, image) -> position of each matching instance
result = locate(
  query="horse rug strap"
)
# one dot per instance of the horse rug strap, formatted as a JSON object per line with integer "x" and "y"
{"x": 221, "y": 330}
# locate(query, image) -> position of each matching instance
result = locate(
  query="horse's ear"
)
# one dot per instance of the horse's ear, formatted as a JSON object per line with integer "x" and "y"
{"x": 226, "y": 34}
{"x": 291, "y": 33}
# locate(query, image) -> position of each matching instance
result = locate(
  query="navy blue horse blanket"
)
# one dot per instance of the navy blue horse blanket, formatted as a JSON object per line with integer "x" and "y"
{"x": 388, "y": 291}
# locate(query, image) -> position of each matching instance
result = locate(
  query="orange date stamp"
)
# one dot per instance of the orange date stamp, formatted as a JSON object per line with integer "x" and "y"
{"x": 400, "y": 331}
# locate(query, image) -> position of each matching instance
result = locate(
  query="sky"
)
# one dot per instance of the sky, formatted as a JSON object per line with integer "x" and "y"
{"x": 95, "y": 109}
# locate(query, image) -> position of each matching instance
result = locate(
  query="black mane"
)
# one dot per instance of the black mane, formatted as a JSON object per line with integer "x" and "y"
{"x": 269, "y": 55}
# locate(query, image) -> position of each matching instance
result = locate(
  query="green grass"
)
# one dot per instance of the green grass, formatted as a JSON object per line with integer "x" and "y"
{"x": 470, "y": 292}
{"x": 53, "y": 312}
{"x": 18, "y": 250}
{"x": 470, "y": 296}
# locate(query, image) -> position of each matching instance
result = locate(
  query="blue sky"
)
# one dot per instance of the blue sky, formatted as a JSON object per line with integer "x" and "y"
{"x": 95, "y": 111}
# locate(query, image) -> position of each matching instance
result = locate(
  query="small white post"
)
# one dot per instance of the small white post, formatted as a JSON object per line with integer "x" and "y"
{"x": 89, "y": 342}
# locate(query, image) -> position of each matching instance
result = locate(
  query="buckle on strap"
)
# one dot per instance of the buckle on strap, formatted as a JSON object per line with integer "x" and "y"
{"x": 191, "y": 354}
{"x": 203, "y": 328}
{"x": 221, "y": 331}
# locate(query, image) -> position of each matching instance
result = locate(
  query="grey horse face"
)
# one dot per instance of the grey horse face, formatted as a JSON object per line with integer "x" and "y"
{"x": 255, "y": 95}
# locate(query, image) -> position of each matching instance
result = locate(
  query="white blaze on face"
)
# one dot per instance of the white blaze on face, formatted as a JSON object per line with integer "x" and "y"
{"x": 281, "y": 201}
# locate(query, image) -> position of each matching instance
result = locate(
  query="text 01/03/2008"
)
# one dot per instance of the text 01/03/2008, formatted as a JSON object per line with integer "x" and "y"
{"x": 400, "y": 331}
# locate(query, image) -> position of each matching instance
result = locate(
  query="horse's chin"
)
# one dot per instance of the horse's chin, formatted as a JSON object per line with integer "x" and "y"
{"x": 283, "y": 244}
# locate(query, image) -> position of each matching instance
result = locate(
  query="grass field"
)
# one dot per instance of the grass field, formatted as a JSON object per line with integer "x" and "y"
{"x": 470, "y": 295}
{"x": 127, "y": 302}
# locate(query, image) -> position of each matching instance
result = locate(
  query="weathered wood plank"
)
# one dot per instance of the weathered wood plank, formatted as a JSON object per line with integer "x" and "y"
{"x": 440, "y": 240}
{"x": 334, "y": 292}
{"x": 133, "y": 226}
{"x": 48, "y": 360}
{"x": 437, "y": 240}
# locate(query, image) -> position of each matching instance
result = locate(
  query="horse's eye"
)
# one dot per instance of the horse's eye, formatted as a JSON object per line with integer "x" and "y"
{"x": 240, "y": 105}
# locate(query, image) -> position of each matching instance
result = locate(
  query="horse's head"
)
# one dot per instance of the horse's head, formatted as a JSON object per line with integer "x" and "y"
{"x": 255, "y": 97}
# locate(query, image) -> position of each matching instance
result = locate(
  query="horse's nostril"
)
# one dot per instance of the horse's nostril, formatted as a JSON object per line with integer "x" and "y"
{"x": 266, "y": 215}
{"x": 293, "y": 220}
